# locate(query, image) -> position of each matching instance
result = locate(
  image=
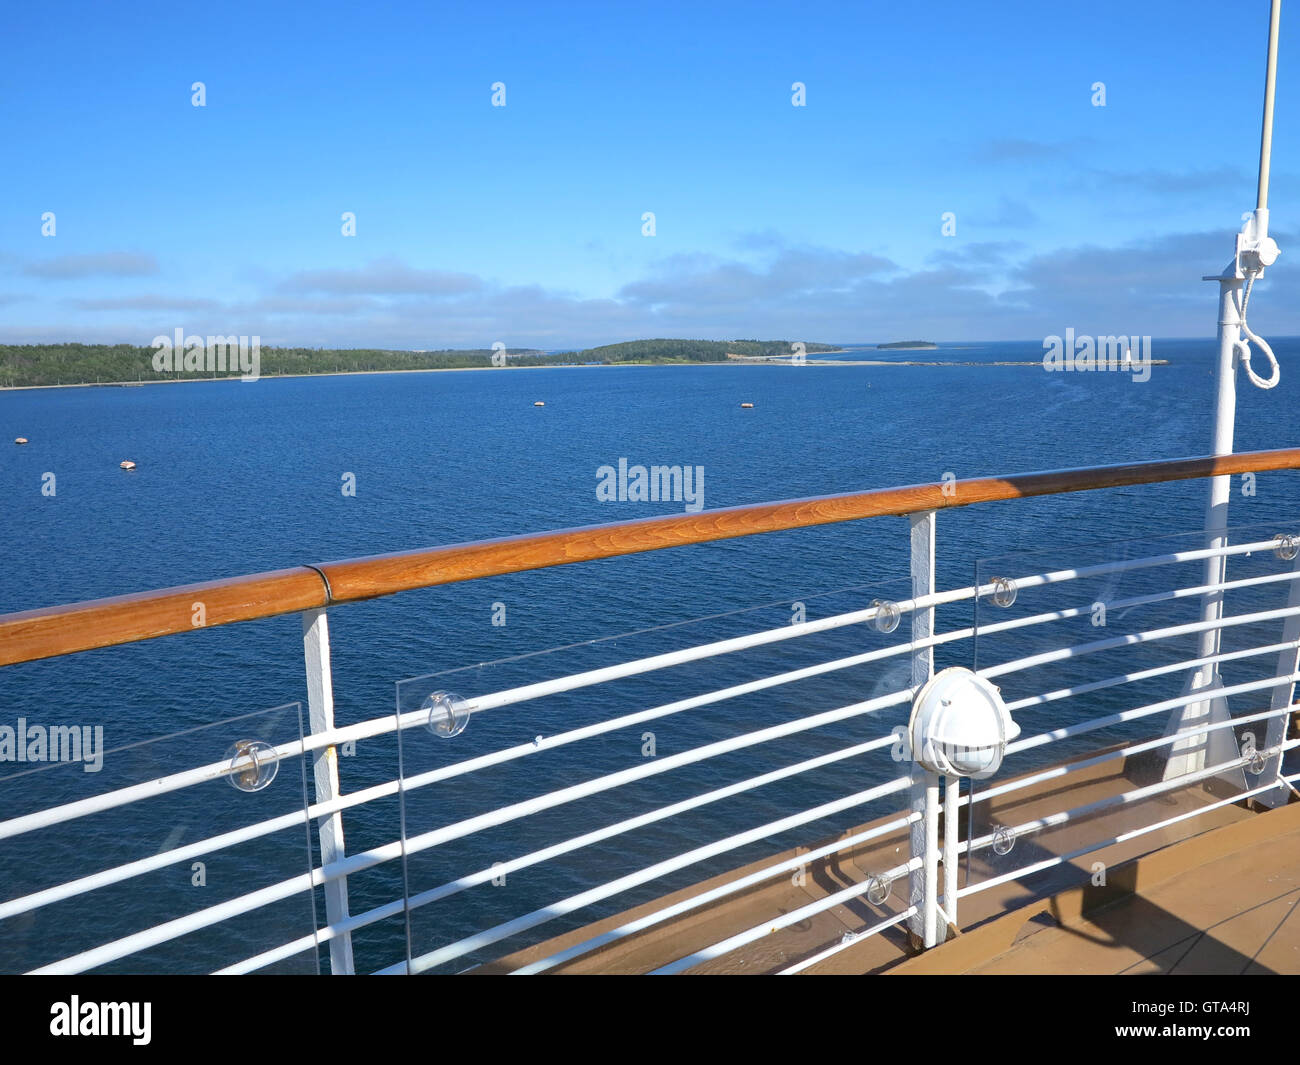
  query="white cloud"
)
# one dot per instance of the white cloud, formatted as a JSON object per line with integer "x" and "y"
{"x": 102, "y": 264}
{"x": 977, "y": 290}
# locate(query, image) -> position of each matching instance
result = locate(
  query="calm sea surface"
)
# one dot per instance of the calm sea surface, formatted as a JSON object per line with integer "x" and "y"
{"x": 235, "y": 478}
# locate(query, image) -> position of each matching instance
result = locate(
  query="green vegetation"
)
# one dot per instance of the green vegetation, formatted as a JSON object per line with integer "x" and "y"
{"x": 51, "y": 364}
{"x": 23, "y": 365}
{"x": 687, "y": 350}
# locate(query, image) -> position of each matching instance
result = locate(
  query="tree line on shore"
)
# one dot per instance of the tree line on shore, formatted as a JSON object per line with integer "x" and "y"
{"x": 25, "y": 365}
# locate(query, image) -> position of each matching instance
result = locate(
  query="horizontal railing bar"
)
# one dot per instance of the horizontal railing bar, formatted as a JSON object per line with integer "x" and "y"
{"x": 1065, "y": 613}
{"x": 722, "y": 891}
{"x": 413, "y": 718}
{"x": 154, "y": 862}
{"x": 1038, "y": 580}
{"x": 1124, "y": 752}
{"x": 642, "y": 876}
{"x": 1123, "y": 716}
{"x": 50, "y": 631}
{"x": 525, "y": 692}
{"x": 639, "y": 717}
{"x": 1061, "y": 576}
{"x": 637, "y": 666}
{"x": 116, "y": 874}
{"x": 320, "y": 937}
{"x": 1063, "y": 817}
{"x": 1127, "y": 565}
{"x": 1133, "y": 639}
{"x": 1123, "y": 837}
{"x": 1145, "y": 674}
{"x": 849, "y": 940}
{"x": 180, "y": 926}
{"x": 271, "y": 957}
{"x": 751, "y": 935}
{"x": 187, "y": 778}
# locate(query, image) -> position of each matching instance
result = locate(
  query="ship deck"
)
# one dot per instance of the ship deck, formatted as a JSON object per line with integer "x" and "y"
{"x": 1231, "y": 910}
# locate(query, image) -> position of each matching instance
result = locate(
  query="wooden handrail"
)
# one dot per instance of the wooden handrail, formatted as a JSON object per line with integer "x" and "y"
{"x": 51, "y": 631}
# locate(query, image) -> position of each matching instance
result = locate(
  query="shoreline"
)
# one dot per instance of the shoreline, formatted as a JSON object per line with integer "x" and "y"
{"x": 742, "y": 361}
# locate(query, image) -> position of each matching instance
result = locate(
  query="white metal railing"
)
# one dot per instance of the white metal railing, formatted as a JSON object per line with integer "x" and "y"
{"x": 936, "y": 902}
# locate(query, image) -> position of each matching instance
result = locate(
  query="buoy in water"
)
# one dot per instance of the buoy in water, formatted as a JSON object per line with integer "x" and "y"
{"x": 539, "y": 403}
{"x": 747, "y": 406}
{"x": 127, "y": 464}
{"x": 20, "y": 440}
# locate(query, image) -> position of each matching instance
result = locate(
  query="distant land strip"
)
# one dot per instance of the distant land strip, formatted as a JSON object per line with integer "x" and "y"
{"x": 77, "y": 365}
{"x": 37, "y": 365}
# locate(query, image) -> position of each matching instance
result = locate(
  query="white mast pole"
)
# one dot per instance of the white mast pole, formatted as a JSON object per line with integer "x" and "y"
{"x": 1270, "y": 83}
{"x": 1254, "y": 251}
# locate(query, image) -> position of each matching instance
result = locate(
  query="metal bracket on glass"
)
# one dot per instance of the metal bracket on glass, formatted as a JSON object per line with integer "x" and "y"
{"x": 448, "y": 714}
{"x": 879, "y": 888}
{"x": 887, "y": 616}
{"x": 1004, "y": 591}
{"x": 254, "y": 765}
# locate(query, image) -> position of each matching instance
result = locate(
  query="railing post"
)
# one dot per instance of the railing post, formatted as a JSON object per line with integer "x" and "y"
{"x": 325, "y": 770}
{"x": 951, "y": 832}
{"x": 924, "y": 882}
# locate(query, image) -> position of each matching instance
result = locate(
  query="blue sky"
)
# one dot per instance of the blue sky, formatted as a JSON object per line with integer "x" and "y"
{"x": 523, "y": 223}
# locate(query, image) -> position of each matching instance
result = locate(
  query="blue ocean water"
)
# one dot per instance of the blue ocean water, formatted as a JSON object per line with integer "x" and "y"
{"x": 236, "y": 478}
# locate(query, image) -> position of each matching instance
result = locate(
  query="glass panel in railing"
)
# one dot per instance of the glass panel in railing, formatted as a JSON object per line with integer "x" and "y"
{"x": 662, "y": 797}
{"x": 183, "y": 854}
{"x": 1149, "y": 679}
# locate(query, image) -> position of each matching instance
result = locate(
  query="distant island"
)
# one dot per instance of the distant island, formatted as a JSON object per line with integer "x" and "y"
{"x": 916, "y": 345}
{"x": 37, "y": 365}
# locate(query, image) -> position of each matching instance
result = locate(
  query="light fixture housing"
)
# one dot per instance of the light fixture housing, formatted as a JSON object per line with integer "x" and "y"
{"x": 960, "y": 726}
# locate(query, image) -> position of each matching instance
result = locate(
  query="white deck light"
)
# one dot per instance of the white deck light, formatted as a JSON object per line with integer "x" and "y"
{"x": 960, "y": 725}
